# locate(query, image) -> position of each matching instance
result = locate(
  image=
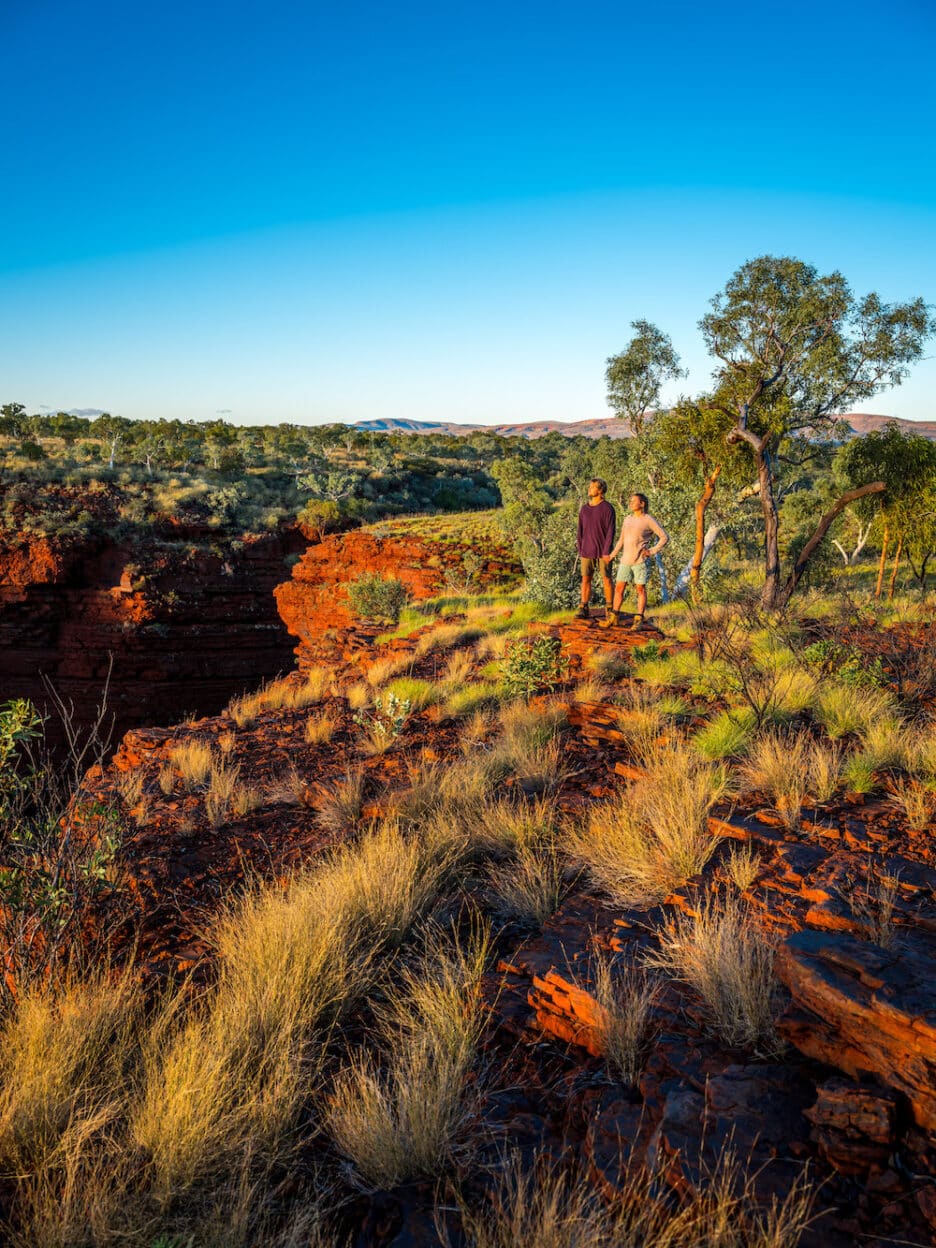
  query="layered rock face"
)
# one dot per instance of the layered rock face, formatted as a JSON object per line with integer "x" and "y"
{"x": 182, "y": 621}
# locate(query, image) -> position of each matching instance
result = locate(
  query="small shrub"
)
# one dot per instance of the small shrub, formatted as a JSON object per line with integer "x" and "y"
{"x": 383, "y": 724}
{"x": 533, "y": 664}
{"x": 374, "y": 597}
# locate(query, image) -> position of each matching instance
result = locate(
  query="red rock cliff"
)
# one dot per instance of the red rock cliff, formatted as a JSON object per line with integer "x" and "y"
{"x": 188, "y": 623}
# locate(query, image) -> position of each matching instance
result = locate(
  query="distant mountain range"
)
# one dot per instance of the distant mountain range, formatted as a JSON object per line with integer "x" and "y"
{"x": 609, "y": 426}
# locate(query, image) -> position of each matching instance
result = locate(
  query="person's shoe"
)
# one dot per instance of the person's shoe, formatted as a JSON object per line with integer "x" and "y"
{"x": 637, "y": 624}
{"x": 581, "y": 613}
{"x": 611, "y": 618}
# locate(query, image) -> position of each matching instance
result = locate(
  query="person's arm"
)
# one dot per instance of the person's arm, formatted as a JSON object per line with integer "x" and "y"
{"x": 661, "y": 534}
{"x": 607, "y": 536}
{"x": 578, "y": 536}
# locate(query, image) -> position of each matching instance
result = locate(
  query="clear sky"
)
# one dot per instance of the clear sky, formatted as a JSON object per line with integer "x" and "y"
{"x": 312, "y": 212}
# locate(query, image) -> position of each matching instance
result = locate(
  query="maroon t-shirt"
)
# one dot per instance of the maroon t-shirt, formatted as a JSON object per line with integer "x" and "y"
{"x": 596, "y": 530}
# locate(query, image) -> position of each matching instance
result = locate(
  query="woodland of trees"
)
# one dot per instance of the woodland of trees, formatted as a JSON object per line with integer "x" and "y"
{"x": 759, "y": 467}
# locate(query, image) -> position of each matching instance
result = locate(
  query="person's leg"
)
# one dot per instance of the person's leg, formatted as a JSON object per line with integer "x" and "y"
{"x": 607, "y": 585}
{"x": 587, "y": 571}
{"x": 641, "y": 607}
{"x": 611, "y": 616}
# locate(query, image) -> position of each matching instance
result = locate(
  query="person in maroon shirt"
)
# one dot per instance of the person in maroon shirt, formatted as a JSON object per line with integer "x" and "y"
{"x": 595, "y": 540}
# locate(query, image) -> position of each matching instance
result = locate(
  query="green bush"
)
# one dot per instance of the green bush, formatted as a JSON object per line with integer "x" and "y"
{"x": 550, "y": 562}
{"x": 532, "y": 664}
{"x": 374, "y": 598}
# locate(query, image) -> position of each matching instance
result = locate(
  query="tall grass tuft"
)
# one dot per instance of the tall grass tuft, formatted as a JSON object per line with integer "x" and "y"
{"x": 655, "y": 834}
{"x": 723, "y": 954}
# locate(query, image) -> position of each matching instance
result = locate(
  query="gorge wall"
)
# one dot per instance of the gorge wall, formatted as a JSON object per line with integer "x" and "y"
{"x": 185, "y": 619}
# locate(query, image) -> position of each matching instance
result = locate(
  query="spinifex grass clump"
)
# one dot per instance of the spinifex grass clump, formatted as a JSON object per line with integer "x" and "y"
{"x": 723, "y": 954}
{"x": 410, "y": 1115}
{"x": 655, "y": 834}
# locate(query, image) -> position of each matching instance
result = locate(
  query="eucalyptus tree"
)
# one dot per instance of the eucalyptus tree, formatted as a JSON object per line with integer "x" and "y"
{"x": 794, "y": 350}
{"x": 636, "y": 376}
{"x": 906, "y": 463}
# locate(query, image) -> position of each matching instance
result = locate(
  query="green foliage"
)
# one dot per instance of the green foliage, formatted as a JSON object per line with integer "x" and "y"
{"x": 533, "y": 664}
{"x": 846, "y": 663}
{"x": 549, "y": 561}
{"x": 384, "y": 722}
{"x": 19, "y": 722}
{"x": 374, "y": 597}
{"x": 635, "y": 377}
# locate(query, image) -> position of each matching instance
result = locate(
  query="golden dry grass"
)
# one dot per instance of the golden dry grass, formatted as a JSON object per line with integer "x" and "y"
{"x": 655, "y": 835}
{"x": 916, "y": 802}
{"x": 193, "y": 761}
{"x": 358, "y": 696}
{"x": 528, "y": 887}
{"x": 552, "y": 1206}
{"x": 167, "y": 778}
{"x": 742, "y": 866}
{"x": 777, "y": 764}
{"x": 320, "y": 728}
{"x": 409, "y": 1115}
{"x": 219, "y": 796}
{"x": 723, "y": 954}
{"x": 627, "y": 995}
{"x": 129, "y": 784}
{"x": 385, "y": 669}
{"x": 338, "y": 806}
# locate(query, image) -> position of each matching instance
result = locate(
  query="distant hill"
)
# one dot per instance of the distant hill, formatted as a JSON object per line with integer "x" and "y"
{"x": 609, "y": 425}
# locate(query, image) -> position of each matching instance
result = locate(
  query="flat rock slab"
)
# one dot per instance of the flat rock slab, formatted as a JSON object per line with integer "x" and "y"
{"x": 866, "y": 1010}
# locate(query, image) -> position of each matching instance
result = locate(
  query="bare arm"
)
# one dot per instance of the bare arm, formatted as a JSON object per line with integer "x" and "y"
{"x": 661, "y": 533}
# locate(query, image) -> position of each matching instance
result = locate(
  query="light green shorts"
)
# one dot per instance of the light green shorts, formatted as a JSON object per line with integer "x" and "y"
{"x": 633, "y": 573}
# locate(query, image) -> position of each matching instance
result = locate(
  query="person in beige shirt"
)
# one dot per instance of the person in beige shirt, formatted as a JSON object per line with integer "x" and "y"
{"x": 633, "y": 545}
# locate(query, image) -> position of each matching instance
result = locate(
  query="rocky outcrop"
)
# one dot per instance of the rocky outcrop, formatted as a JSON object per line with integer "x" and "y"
{"x": 181, "y": 622}
{"x": 866, "y": 1010}
{"x": 314, "y": 604}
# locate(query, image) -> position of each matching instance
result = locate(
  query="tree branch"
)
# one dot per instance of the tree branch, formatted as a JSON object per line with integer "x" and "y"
{"x": 875, "y": 487}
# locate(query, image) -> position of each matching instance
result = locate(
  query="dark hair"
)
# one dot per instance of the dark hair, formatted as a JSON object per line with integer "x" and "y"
{"x": 645, "y": 502}
{"x": 601, "y": 484}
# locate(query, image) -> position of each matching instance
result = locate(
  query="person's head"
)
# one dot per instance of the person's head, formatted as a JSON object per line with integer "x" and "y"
{"x": 597, "y": 488}
{"x": 638, "y": 504}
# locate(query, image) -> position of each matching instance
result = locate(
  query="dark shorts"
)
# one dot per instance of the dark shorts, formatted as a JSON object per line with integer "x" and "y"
{"x": 591, "y": 566}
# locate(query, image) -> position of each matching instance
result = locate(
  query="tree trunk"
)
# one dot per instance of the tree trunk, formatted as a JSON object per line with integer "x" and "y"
{"x": 875, "y": 487}
{"x": 893, "y": 579}
{"x": 884, "y": 544}
{"x": 770, "y": 596}
{"x": 701, "y": 507}
{"x": 712, "y": 534}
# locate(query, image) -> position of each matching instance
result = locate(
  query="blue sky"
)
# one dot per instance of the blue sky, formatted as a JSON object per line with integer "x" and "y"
{"x": 292, "y": 211}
